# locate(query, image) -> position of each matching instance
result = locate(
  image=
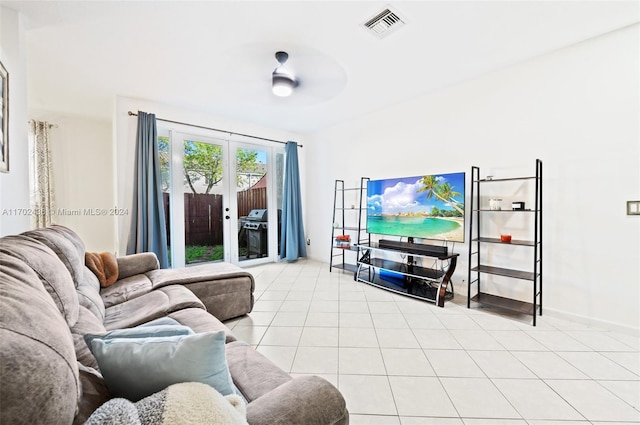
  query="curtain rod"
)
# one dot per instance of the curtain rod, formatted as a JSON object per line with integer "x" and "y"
{"x": 216, "y": 129}
{"x": 50, "y": 124}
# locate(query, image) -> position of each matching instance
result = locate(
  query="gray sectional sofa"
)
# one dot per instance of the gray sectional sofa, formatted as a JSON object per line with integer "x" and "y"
{"x": 49, "y": 302}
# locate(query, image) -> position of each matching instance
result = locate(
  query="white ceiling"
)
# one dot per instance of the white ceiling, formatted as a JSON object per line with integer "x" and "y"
{"x": 217, "y": 56}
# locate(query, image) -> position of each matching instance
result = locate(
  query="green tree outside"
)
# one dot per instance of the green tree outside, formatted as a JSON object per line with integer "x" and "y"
{"x": 202, "y": 162}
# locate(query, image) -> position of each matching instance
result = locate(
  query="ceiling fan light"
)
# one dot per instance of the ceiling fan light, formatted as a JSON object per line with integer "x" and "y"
{"x": 282, "y": 83}
{"x": 282, "y": 89}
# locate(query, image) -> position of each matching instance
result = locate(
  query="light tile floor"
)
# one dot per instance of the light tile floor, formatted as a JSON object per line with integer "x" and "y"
{"x": 400, "y": 361}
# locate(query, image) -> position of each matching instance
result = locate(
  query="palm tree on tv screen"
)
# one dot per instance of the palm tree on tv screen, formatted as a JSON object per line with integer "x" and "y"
{"x": 443, "y": 191}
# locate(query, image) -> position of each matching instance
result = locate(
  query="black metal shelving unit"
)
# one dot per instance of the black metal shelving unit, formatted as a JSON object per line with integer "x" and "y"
{"x": 350, "y": 220}
{"x": 477, "y": 244}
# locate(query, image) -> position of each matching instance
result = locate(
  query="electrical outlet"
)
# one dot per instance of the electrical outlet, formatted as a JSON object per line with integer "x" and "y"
{"x": 308, "y": 241}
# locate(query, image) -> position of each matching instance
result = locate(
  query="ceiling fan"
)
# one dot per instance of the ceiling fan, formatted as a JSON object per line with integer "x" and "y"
{"x": 308, "y": 75}
{"x": 283, "y": 81}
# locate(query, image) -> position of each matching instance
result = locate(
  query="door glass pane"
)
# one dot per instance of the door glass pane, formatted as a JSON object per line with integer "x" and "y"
{"x": 251, "y": 186}
{"x": 164, "y": 154}
{"x": 203, "y": 206}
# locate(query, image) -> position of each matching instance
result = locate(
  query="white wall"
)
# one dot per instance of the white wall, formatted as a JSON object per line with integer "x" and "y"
{"x": 125, "y": 140}
{"x": 82, "y": 163}
{"x": 577, "y": 109}
{"x": 14, "y": 186}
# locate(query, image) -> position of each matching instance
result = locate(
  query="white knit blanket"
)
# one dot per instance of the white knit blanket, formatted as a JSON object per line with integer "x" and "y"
{"x": 189, "y": 403}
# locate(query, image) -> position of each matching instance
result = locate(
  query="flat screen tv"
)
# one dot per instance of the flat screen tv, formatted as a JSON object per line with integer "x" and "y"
{"x": 428, "y": 207}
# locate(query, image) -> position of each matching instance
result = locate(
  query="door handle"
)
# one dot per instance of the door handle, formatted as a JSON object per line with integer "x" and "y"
{"x": 227, "y": 217}
{"x": 226, "y": 209}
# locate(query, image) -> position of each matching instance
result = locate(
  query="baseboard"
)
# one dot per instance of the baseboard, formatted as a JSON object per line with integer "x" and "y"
{"x": 593, "y": 322}
{"x": 577, "y": 318}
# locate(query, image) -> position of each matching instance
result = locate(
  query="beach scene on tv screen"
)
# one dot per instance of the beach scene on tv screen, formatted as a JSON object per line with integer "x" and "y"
{"x": 428, "y": 207}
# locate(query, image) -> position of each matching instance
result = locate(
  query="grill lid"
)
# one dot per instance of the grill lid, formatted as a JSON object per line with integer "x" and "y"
{"x": 257, "y": 215}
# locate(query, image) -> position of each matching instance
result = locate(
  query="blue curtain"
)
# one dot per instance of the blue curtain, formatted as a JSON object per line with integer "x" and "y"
{"x": 292, "y": 241}
{"x": 148, "y": 231}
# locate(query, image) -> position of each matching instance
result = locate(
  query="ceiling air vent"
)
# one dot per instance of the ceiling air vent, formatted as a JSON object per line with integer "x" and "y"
{"x": 384, "y": 23}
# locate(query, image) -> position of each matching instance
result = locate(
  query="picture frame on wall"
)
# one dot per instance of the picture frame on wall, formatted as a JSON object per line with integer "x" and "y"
{"x": 4, "y": 118}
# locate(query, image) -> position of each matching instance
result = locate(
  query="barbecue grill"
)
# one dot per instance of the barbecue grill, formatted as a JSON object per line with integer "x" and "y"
{"x": 255, "y": 227}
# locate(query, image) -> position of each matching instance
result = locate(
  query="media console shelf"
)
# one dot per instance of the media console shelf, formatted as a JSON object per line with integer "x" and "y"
{"x": 401, "y": 267}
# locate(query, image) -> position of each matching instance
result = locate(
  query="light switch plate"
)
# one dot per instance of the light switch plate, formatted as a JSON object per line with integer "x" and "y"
{"x": 633, "y": 207}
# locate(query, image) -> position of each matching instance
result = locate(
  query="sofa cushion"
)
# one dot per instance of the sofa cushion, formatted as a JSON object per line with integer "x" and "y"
{"x": 226, "y": 298}
{"x": 307, "y": 399}
{"x": 37, "y": 360}
{"x": 150, "y": 306}
{"x": 125, "y": 289}
{"x": 94, "y": 393}
{"x": 87, "y": 323}
{"x": 88, "y": 289}
{"x": 225, "y": 289}
{"x": 71, "y": 236}
{"x": 69, "y": 249}
{"x": 201, "y": 321}
{"x": 133, "y": 264}
{"x": 253, "y": 374}
{"x": 161, "y": 321}
{"x": 135, "y": 368}
{"x": 204, "y": 272}
{"x": 54, "y": 277}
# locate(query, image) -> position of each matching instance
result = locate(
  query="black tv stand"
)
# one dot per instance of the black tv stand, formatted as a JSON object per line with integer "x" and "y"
{"x": 408, "y": 274}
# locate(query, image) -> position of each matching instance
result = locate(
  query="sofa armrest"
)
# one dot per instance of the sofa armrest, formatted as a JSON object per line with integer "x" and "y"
{"x": 134, "y": 264}
{"x": 307, "y": 399}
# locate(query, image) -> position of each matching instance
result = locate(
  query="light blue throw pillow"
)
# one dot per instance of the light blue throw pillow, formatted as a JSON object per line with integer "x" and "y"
{"x": 145, "y": 331}
{"x": 135, "y": 368}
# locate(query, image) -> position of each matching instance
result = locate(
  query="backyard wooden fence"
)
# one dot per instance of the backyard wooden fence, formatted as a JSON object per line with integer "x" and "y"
{"x": 203, "y": 214}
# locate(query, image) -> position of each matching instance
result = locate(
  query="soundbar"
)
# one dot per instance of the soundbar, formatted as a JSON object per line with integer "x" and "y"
{"x": 414, "y": 248}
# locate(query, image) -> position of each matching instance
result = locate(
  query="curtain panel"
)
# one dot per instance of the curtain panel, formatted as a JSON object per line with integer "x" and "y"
{"x": 292, "y": 240}
{"x": 148, "y": 232}
{"x": 41, "y": 174}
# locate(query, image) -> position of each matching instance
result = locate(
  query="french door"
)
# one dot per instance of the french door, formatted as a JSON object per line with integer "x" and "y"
{"x": 221, "y": 198}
